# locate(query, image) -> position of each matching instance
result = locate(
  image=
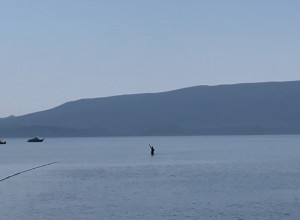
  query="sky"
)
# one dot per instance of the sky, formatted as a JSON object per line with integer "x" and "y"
{"x": 55, "y": 51}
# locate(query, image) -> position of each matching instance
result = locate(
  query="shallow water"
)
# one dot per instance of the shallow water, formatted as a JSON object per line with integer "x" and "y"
{"x": 212, "y": 177}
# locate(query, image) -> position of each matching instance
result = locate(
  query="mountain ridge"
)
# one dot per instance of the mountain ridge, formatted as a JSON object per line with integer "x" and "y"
{"x": 245, "y": 108}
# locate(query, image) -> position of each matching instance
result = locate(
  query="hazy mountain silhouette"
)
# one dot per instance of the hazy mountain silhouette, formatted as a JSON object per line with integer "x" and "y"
{"x": 252, "y": 108}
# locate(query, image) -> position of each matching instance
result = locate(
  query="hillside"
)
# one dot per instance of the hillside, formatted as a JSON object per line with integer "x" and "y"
{"x": 253, "y": 108}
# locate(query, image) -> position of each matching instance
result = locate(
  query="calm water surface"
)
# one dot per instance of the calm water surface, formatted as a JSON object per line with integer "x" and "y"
{"x": 215, "y": 177}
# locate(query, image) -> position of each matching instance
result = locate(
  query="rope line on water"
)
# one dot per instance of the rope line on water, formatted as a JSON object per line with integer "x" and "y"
{"x": 26, "y": 171}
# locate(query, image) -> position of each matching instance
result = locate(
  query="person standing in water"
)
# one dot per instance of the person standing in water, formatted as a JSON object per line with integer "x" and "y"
{"x": 152, "y": 149}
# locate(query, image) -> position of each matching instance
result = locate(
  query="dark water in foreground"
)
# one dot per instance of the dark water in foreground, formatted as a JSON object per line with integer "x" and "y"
{"x": 217, "y": 177}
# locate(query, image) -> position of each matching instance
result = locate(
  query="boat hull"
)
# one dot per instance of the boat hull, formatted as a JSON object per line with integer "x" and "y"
{"x": 35, "y": 140}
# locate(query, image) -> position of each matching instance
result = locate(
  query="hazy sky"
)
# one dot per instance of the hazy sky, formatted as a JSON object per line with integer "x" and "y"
{"x": 54, "y": 51}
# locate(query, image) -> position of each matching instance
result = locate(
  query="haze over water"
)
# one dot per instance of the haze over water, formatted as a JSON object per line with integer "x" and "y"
{"x": 212, "y": 177}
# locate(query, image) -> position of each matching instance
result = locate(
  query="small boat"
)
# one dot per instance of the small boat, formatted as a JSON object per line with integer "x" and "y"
{"x": 36, "y": 139}
{"x": 2, "y": 142}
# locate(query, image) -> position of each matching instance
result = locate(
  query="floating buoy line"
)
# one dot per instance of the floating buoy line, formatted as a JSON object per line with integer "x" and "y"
{"x": 26, "y": 171}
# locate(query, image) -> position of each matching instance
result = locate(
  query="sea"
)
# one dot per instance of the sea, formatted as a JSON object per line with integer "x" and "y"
{"x": 116, "y": 178}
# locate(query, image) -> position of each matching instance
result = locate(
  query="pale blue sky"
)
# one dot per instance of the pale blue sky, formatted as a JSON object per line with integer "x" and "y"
{"x": 54, "y": 51}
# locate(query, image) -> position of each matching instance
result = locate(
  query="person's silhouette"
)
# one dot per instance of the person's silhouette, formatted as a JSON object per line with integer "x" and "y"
{"x": 152, "y": 149}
